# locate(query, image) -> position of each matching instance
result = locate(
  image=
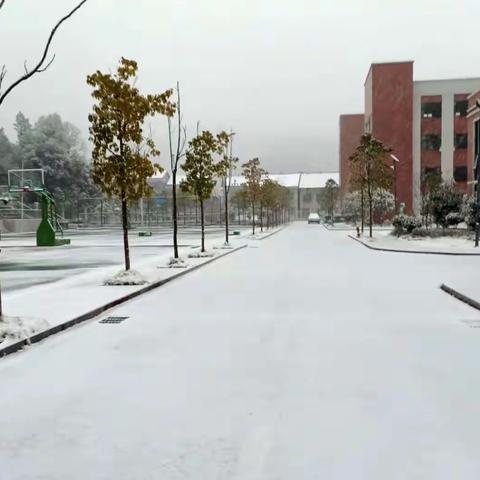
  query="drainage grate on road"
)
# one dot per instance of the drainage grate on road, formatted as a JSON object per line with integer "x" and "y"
{"x": 113, "y": 320}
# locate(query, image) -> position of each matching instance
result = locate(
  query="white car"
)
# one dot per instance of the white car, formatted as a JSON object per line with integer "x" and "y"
{"x": 314, "y": 218}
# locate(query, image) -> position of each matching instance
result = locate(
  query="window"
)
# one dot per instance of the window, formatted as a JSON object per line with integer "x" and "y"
{"x": 431, "y": 142}
{"x": 461, "y": 140}
{"x": 431, "y": 110}
{"x": 460, "y": 174}
{"x": 319, "y": 197}
{"x": 307, "y": 197}
{"x": 461, "y": 107}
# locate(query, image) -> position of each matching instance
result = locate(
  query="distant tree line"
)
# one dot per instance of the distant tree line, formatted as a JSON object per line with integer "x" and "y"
{"x": 53, "y": 145}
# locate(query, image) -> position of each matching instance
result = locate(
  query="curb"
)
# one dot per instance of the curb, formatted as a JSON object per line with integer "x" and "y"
{"x": 460, "y": 296}
{"x": 424, "y": 252}
{"x": 267, "y": 235}
{"x": 15, "y": 347}
{"x": 272, "y": 233}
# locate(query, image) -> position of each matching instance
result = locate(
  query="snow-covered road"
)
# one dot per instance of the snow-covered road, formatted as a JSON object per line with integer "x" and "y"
{"x": 309, "y": 357}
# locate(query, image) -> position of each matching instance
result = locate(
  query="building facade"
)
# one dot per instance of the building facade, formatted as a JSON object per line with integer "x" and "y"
{"x": 351, "y": 128}
{"x": 425, "y": 124}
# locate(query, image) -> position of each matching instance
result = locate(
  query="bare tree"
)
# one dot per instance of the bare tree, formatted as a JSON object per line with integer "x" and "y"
{"x": 42, "y": 64}
{"x": 175, "y": 156}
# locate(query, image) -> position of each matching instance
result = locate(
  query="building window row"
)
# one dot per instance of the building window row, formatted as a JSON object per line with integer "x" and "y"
{"x": 460, "y": 173}
{"x": 434, "y": 109}
{"x": 434, "y": 142}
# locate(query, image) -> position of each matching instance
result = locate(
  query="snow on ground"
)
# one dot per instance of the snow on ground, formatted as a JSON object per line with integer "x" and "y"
{"x": 384, "y": 239}
{"x": 126, "y": 277}
{"x": 15, "y": 328}
{"x": 62, "y": 295}
{"x": 309, "y": 357}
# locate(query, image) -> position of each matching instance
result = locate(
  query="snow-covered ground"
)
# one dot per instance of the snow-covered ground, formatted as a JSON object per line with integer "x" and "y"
{"x": 71, "y": 278}
{"x": 384, "y": 239}
{"x": 308, "y": 357}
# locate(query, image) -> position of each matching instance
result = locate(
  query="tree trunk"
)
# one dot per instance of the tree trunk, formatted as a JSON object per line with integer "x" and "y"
{"x": 126, "y": 249}
{"x": 370, "y": 211}
{"x": 362, "y": 209}
{"x": 175, "y": 219}
{"x": 261, "y": 217}
{"x": 202, "y": 221}
{"x": 226, "y": 214}
{"x": 253, "y": 218}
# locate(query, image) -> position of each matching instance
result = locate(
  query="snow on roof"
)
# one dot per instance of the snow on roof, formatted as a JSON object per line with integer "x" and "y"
{"x": 286, "y": 179}
{"x": 237, "y": 180}
{"x": 303, "y": 180}
{"x": 317, "y": 180}
{"x": 180, "y": 177}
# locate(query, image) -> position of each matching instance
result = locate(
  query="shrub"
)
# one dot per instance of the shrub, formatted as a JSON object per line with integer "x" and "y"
{"x": 405, "y": 223}
{"x": 470, "y": 211}
{"x": 453, "y": 219}
{"x": 445, "y": 200}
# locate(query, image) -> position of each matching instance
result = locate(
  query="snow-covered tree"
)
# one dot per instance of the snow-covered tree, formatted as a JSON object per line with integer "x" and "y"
{"x": 121, "y": 153}
{"x": 225, "y": 169}
{"x": 329, "y": 197}
{"x": 446, "y": 199}
{"x": 383, "y": 204}
{"x": 253, "y": 173}
{"x": 369, "y": 170}
{"x": 200, "y": 171}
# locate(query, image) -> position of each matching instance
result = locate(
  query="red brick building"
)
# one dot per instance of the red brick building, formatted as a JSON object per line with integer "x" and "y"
{"x": 351, "y": 128}
{"x": 425, "y": 124}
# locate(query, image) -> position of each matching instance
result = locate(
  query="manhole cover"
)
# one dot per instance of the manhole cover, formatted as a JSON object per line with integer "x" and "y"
{"x": 113, "y": 320}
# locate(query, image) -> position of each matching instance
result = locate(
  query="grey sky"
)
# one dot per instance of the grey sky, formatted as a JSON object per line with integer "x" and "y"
{"x": 278, "y": 71}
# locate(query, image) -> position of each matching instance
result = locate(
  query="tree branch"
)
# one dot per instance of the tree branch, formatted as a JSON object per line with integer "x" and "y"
{"x": 39, "y": 67}
{"x": 3, "y": 72}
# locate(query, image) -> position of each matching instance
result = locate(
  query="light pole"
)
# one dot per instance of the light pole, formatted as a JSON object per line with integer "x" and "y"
{"x": 394, "y": 167}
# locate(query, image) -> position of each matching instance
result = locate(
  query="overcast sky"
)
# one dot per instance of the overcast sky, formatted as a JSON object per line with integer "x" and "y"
{"x": 279, "y": 72}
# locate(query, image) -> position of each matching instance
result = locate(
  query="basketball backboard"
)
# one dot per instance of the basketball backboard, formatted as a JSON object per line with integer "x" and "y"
{"x": 26, "y": 180}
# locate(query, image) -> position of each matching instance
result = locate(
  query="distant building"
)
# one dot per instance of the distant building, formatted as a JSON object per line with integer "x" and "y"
{"x": 424, "y": 122}
{"x": 305, "y": 190}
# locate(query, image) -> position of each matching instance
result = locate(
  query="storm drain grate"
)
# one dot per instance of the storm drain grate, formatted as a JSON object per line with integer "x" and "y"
{"x": 113, "y": 320}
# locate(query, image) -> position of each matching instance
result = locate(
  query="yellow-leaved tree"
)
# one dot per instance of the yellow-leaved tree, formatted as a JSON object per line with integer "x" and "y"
{"x": 122, "y": 155}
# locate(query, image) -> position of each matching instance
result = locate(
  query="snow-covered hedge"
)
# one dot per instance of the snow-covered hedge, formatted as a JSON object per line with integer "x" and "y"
{"x": 405, "y": 223}
{"x": 452, "y": 219}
